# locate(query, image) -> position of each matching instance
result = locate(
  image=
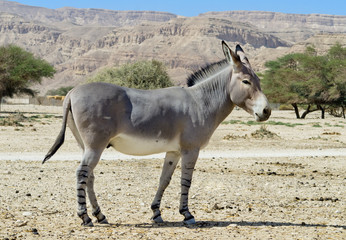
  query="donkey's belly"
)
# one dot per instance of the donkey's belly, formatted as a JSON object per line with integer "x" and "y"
{"x": 133, "y": 145}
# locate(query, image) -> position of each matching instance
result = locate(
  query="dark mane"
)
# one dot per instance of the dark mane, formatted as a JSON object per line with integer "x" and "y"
{"x": 204, "y": 72}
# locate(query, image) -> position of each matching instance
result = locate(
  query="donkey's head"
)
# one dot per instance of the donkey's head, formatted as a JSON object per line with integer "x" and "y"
{"x": 245, "y": 90}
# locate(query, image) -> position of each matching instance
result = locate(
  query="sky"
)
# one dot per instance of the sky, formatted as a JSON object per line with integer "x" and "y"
{"x": 191, "y": 8}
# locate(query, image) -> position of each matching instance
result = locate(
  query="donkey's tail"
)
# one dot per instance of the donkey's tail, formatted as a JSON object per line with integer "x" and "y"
{"x": 61, "y": 137}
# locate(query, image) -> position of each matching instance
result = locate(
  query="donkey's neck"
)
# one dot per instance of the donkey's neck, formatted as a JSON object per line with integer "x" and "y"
{"x": 213, "y": 97}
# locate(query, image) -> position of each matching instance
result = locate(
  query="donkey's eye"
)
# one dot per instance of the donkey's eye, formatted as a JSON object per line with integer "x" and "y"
{"x": 246, "y": 82}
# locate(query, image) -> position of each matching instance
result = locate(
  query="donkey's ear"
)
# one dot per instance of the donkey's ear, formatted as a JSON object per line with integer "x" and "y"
{"x": 227, "y": 51}
{"x": 230, "y": 55}
{"x": 240, "y": 52}
{"x": 238, "y": 49}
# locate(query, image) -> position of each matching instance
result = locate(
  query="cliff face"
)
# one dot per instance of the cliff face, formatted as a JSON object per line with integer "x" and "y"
{"x": 78, "y": 42}
{"x": 290, "y": 27}
{"x": 67, "y": 16}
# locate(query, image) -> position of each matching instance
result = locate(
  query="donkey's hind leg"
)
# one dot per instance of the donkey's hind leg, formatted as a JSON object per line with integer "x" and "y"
{"x": 171, "y": 160}
{"x": 84, "y": 178}
{"x": 96, "y": 210}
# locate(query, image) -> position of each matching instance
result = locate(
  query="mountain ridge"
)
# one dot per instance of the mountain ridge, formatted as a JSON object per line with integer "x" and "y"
{"x": 80, "y": 42}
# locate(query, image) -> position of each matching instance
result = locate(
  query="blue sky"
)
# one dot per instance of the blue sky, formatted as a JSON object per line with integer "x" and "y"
{"x": 194, "y": 7}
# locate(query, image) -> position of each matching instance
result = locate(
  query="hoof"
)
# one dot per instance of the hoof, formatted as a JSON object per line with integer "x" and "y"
{"x": 88, "y": 224}
{"x": 158, "y": 219}
{"x": 190, "y": 221}
{"x": 104, "y": 221}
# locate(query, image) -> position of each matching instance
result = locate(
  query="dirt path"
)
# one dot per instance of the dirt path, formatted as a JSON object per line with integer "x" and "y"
{"x": 243, "y": 198}
{"x": 114, "y": 155}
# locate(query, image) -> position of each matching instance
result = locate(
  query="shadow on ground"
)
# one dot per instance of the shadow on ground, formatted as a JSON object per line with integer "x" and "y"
{"x": 213, "y": 224}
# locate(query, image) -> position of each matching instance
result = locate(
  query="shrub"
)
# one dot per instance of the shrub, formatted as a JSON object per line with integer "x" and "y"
{"x": 62, "y": 91}
{"x": 141, "y": 74}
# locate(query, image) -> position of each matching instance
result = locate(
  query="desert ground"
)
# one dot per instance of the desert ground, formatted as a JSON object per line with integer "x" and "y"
{"x": 284, "y": 179}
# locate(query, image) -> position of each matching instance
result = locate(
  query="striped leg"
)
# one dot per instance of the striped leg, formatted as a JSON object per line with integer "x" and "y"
{"x": 171, "y": 161}
{"x": 96, "y": 211}
{"x": 84, "y": 172}
{"x": 188, "y": 163}
{"x": 82, "y": 178}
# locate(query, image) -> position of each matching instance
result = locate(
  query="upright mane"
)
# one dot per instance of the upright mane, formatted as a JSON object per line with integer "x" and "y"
{"x": 204, "y": 72}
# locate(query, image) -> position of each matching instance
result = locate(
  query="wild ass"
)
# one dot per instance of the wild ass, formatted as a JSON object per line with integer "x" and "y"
{"x": 178, "y": 121}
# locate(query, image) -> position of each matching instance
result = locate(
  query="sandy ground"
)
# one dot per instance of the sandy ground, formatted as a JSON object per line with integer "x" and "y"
{"x": 246, "y": 186}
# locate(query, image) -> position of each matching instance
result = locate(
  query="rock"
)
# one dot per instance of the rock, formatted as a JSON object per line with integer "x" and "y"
{"x": 34, "y": 231}
{"x": 217, "y": 207}
{"x": 20, "y": 223}
{"x": 27, "y": 214}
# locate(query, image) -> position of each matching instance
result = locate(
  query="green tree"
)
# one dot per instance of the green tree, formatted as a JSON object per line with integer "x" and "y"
{"x": 308, "y": 79}
{"x": 337, "y": 72}
{"x": 283, "y": 81}
{"x": 20, "y": 69}
{"x": 141, "y": 74}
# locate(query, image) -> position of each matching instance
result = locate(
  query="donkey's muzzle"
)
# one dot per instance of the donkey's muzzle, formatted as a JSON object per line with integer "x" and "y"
{"x": 264, "y": 115}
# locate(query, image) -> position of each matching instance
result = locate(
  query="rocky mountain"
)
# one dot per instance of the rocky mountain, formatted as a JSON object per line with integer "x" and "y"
{"x": 64, "y": 17}
{"x": 290, "y": 27}
{"x": 79, "y": 42}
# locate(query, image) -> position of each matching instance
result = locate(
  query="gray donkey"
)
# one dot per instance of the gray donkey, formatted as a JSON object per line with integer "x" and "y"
{"x": 175, "y": 120}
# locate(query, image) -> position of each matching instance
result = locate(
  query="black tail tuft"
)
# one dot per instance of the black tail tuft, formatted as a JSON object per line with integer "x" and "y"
{"x": 55, "y": 147}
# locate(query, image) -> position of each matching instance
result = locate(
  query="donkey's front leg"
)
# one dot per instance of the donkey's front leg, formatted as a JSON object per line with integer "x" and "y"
{"x": 188, "y": 163}
{"x": 171, "y": 160}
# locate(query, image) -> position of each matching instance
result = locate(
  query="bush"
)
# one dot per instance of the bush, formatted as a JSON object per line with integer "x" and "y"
{"x": 141, "y": 75}
{"x": 62, "y": 91}
{"x": 285, "y": 107}
{"x": 263, "y": 132}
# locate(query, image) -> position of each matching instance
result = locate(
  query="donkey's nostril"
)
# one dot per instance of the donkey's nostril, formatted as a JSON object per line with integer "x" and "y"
{"x": 266, "y": 111}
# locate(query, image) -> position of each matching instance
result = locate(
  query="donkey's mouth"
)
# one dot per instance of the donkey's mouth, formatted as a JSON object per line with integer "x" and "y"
{"x": 260, "y": 117}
